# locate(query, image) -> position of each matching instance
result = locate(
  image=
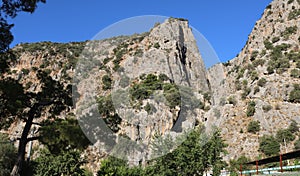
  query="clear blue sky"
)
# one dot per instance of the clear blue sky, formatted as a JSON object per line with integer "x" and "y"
{"x": 225, "y": 24}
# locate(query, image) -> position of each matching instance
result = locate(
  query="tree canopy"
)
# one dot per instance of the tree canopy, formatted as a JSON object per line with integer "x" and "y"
{"x": 10, "y": 9}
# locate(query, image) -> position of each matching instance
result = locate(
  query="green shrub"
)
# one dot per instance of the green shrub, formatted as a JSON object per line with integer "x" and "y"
{"x": 156, "y": 45}
{"x": 269, "y": 145}
{"x": 106, "y": 80}
{"x": 295, "y": 94}
{"x": 254, "y": 54}
{"x": 8, "y": 155}
{"x": 275, "y": 39}
{"x": 297, "y": 145}
{"x": 284, "y": 135}
{"x": 150, "y": 108}
{"x": 232, "y": 100}
{"x": 268, "y": 45}
{"x": 294, "y": 14}
{"x": 254, "y": 75}
{"x": 245, "y": 92}
{"x": 267, "y": 108}
{"x": 289, "y": 31}
{"x": 295, "y": 73}
{"x": 251, "y": 108}
{"x": 25, "y": 71}
{"x": 262, "y": 82}
{"x": 293, "y": 127}
{"x": 253, "y": 127}
{"x": 258, "y": 62}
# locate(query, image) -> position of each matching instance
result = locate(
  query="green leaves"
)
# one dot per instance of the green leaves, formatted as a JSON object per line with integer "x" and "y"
{"x": 67, "y": 163}
{"x": 61, "y": 135}
{"x": 269, "y": 145}
{"x": 7, "y": 155}
{"x": 196, "y": 154}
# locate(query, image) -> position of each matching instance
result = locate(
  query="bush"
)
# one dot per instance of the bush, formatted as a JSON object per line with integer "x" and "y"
{"x": 254, "y": 54}
{"x": 268, "y": 45}
{"x": 253, "y": 127}
{"x": 289, "y": 31}
{"x": 294, "y": 14}
{"x": 284, "y": 135}
{"x": 269, "y": 145}
{"x": 156, "y": 45}
{"x": 245, "y": 93}
{"x": 256, "y": 89}
{"x": 150, "y": 108}
{"x": 267, "y": 108}
{"x": 295, "y": 73}
{"x": 297, "y": 144}
{"x": 262, "y": 82}
{"x": 8, "y": 155}
{"x": 106, "y": 80}
{"x": 232, "y": 100}
{"x": 275, "y": 39}
{"x": 293, "y": 127}
{"x": 251, "y": 108}
{"x": 295, "y": 94}
{"x": 258, "y": 62}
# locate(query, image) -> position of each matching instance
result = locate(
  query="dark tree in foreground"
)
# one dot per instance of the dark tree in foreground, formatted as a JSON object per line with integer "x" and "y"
{"x": 10, "y": 9}
{"x": 53, "y": 97}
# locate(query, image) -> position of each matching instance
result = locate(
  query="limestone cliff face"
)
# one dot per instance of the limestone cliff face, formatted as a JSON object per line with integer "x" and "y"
{"x": 263, "y": 72}
{"x": 156, "y": 83}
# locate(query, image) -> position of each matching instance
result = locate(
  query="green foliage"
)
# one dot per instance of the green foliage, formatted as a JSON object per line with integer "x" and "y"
{"x": 268, "y": 45}
{"x": 117, "y": 167}
{"x": 12, "y": 101}
{"x": 275, "y": 39}
{"x": 253, "y": 127}
{"x": 251, "y": 108}
{"x": 289, "y": 31}
{"x": 163, "y": 77}
{"x": 107, "y": 111}
{"x": 195, "y": 155}
{"x": 25, "y": 71}
{"x": 106, "y": 80}
{"x": 254, "y": 54}
{"x": 284, "y": 134}
{"x": 295, "y": 73}
{"x": 262, "y": 82}
{"x": 245, "y": 92}
{"x": 293, "y": 127}
{"x": 232, "y": 100}
{"x": 297, "y": 144}
{"x": 172, "y": 95}
{"x": 269, "y": 145}
{"x": 150, "y": 108}
{"x": 295, "y": 94}
{"x": 267, "y": 108}
{"x": 60, "y": 135}
{"x": 258, "y": 62}
{"x": 67, "y": 163}
{"x": 234, "y": 165}
{"x": 7, "y": 155}
{"x": 156, "y": 45}
{"x": 294, "y": 14}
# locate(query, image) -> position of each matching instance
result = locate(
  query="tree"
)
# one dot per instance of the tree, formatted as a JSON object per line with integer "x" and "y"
{"x": 269, "y": 145}
{"x": 253, "y": 127}
{"x": 66, "y": 163}
{"x": 7, "y": 155}
{"x": 10, "y": 9}
{"x": 54, "y": 97}
{"x": 251, "y": 108}
{"x": 284, "y": 135}
{"x": 62, "y": 135}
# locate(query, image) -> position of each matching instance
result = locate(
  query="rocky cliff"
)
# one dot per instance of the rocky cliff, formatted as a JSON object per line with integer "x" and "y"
{"x": 155, "y": 84}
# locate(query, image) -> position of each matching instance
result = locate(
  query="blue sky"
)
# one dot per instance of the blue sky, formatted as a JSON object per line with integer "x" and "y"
{"x": 225, "y": 24}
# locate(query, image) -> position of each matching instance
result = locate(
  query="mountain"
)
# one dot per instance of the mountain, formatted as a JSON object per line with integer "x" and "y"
{"x": 156, "y": 84}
